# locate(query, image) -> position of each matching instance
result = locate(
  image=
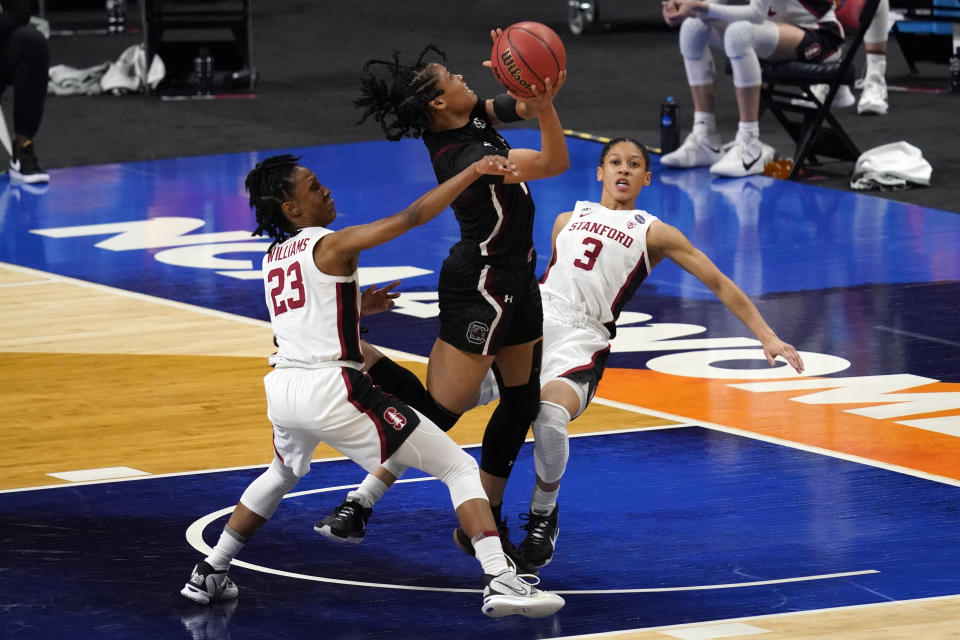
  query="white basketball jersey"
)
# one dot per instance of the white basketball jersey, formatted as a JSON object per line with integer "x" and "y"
{"x": 599, "y": 260}
{"x": 315, "y": 316}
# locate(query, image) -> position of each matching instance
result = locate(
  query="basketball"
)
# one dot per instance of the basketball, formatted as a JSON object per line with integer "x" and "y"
{"x": 525, "y": 54}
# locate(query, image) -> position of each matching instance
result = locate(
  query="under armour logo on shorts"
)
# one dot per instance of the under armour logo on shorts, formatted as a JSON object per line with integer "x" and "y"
{"x": 477, "y": 332}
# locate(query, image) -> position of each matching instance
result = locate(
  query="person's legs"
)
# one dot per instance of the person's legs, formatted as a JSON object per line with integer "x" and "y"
{"x": 745, "y": 43}
{"x": 209, "y": 581}
{"x": 561, "y": 400}
{"x": 702, "y": 146}
{"x": 431, "y": 450}
{"x": 24, "y": 60}
{"x": 873, "y": 99}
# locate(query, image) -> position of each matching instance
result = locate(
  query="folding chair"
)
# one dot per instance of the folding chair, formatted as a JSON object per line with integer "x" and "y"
{"x": 787, "y": 95}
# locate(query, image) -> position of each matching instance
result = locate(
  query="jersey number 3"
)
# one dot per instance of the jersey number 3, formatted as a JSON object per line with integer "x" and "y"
{"x": 283, "y": 281}
{"x": 590, "y": 255}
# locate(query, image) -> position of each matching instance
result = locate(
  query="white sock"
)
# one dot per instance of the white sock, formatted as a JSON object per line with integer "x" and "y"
{"x": 226, "y": 549}
{"x": 704, "y": 122}
{"x": 369, "y": 492}
{"x": 876, "y": 64}
{"x": 748, "y": 132}
{"x": 490, "y": 554}
{"x": 543, "y": 502}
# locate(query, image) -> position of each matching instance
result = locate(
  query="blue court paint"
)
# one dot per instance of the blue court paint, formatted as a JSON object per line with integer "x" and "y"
{"x": 642, "y": 510}
{"x": 871, "y": 280}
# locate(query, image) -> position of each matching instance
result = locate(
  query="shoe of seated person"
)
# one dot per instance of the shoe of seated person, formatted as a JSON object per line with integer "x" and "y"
{"x": 697, "y": 150}
{"x": 207, "y": 585}
{"x": 842, "y": 100}
{"x": 508, "y": 594}
{"x": 743, "y": 159}
{"x": 873, "y": 99}
{"x": 346, "y": 523}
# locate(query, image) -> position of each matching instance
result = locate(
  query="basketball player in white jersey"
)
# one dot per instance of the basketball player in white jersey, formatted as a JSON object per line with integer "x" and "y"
{"x": 601, "y": 253}
{"x": 317, "y": 391}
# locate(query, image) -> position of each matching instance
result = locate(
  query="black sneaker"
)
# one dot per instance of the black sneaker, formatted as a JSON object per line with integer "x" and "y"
{"x": 24, "y": 165}
{"x": 347, "y": 523}
{"x": 207, "y": 585}
{"x": 522, "y": 565}
{"x": 542, "y": 532}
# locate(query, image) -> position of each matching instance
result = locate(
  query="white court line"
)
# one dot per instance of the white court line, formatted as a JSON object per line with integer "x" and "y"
{"x": 194, "y": 536}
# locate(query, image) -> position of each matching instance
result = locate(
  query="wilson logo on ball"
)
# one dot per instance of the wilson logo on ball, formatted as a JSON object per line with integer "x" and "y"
{"x": 524, "y": 55}
{"x": 513, "y": 69}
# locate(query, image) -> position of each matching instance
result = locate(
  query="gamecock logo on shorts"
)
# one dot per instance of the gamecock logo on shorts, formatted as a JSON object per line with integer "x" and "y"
{"x": 812, "y": 52}
{"x": 394, "y": 417}
{"x": 477, "y": 332}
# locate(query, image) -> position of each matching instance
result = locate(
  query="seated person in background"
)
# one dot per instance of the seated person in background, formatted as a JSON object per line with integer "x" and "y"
{"x": 763, "y": 29}
{"x": 24, "y": 60}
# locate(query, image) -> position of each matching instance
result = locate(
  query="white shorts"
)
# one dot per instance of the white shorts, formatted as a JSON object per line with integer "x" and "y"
{"x": 576, "y": 355}
{"x": 336, "y": 405}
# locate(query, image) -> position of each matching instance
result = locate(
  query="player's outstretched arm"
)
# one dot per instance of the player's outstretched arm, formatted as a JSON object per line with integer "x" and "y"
{"x": 666, "y": 241}
{"x": 336, "y": 253}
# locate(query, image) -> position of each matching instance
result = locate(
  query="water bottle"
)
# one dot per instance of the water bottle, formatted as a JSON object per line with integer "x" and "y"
{"x": 203, "y": 71}
{"x": 669, "y": 130}
{"x": 955, "y": 71}
{"x": 116, "y": 16}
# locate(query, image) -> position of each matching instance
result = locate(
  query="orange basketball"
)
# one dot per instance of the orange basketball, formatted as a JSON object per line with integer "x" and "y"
{"x": 525, "y": 54}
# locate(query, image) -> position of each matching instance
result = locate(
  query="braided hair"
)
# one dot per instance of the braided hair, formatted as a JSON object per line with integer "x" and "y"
{"x": 270, "y": 184}
{"x": 401, "y": 101}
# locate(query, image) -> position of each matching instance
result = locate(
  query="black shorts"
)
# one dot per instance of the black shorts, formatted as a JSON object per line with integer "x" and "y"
{"x": 489, "y": 303}
{"x": 819, "y": 44}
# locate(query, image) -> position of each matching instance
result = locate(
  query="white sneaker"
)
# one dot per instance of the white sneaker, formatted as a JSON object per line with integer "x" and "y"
{"x": 743, "y": 159}
{"x": 206, "y": 585}
{"x": 842, "y": 100}
{"x": 873, "y": 100}
{"x": 507, "y": 594}
{"x": 697, "y": 150}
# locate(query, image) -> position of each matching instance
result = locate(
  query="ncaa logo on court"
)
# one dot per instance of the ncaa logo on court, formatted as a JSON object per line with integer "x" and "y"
{"x": 477, "y": 332}
{"x": 394, "y": 417}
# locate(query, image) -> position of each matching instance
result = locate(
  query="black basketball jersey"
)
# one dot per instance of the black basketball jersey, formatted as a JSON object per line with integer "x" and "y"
{"x": 496, "y": 219}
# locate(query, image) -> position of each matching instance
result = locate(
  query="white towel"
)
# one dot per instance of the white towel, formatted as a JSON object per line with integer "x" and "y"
{"x": 897, "y": 165}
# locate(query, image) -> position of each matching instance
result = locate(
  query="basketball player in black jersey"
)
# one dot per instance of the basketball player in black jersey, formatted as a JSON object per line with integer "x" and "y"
{"x": 490, "y": 311}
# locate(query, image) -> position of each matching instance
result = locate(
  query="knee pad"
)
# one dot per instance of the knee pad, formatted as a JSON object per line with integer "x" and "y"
{"x": 508, "y": 426}
{"x": 551, "y": 447}
{"x": 738, "y": 45}
{"x": 440, "y": 416}
{"x": 738, "y": 39}
{"x": 264, "y": 494}
{"x": 398, "y": 381}
{"x": 463, "y": 480}
{"x": 694, "y": 36}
